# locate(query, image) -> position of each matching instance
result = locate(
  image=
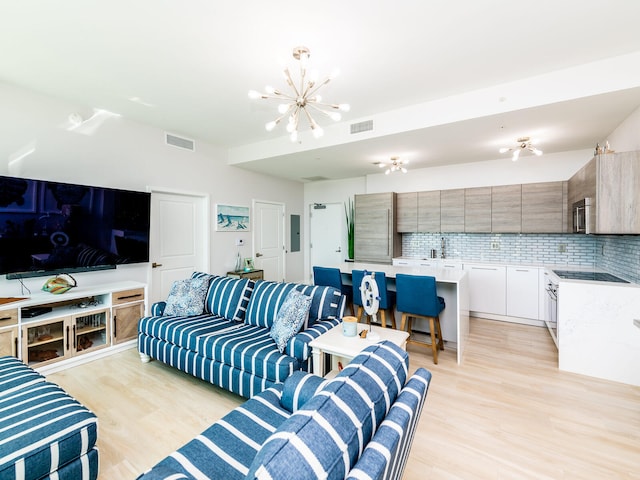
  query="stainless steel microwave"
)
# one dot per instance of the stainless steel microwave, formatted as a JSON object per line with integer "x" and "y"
{"x": 582, "y": 216}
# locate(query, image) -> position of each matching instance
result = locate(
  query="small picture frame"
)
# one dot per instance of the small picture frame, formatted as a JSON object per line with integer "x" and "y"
{"x": 248, "y": 264}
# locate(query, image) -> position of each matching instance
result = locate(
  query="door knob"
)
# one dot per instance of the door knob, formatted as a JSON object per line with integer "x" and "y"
{"x": 258, "y": 254}
{"x": 339, "y": 250}
{"x": 156, "y": 265}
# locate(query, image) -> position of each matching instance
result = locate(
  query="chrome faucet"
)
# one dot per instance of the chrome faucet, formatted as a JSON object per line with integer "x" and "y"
{"x": 442, "y": 250}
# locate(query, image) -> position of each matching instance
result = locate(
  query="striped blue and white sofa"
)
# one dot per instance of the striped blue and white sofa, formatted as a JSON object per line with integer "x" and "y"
{"x": 359, "y": 425}
{"x": 44, "y": 433}
{"x": 229, "y": 344}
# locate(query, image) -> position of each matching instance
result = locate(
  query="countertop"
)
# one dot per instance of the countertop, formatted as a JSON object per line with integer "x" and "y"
{"x": 444, "y": 275}
{"x": 548, "y": 267}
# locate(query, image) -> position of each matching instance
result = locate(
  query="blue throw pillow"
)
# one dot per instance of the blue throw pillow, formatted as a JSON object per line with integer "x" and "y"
{"x": 290, "y": 318}
{"x": 186, "y": 297}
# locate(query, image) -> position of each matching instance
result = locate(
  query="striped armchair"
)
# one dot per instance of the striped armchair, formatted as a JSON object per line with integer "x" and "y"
{"x": 230, "y": 343}
{"x": 44, "y": 433}
{"x": 359, "y": 425}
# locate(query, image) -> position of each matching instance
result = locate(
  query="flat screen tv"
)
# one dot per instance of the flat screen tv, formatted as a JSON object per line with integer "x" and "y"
{"x": 51, "y": 227}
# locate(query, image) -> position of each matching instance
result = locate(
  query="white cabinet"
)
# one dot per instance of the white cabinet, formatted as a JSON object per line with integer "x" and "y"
{"x": 522, "y": 292}
{"x": 487, "y": 288}
{"x": 79, "y": 322}
{"x": 403, "y": 262}
{"x": 428, "y": 263}
{"x": 450, "y": 264}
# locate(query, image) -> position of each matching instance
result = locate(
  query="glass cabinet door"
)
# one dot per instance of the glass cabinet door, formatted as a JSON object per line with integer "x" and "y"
{"x": 90, "y": 331}
{"x": 45, "y": 341}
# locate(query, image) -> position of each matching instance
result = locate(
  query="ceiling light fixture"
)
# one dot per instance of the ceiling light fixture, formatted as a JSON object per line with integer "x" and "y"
{"x": 302, "y": 99}
{"x": 396, "y": 165}
{"x": 525, "y": 143}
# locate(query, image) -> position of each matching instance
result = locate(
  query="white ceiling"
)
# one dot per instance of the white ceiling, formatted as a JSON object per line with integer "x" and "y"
{"x": 186, "y": 67}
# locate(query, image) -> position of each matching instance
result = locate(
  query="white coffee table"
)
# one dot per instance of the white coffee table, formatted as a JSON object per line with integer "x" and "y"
{"x": 335, "y": 343}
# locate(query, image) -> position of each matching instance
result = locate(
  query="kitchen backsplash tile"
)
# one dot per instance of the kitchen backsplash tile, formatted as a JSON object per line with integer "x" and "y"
{"x": 616, "y": 254}
{"x": 620, "y": 255}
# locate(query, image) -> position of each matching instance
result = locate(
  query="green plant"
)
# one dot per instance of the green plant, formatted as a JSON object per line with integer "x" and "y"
{"x": 349, "y": 213}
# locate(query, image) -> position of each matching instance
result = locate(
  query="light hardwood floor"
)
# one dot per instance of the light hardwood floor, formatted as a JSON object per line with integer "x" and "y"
{"x": 505, "y": 413}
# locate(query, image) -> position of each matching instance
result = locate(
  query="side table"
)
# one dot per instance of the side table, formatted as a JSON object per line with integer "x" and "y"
{"x": 250, "y": 274}
{"x": 335, "y": 343}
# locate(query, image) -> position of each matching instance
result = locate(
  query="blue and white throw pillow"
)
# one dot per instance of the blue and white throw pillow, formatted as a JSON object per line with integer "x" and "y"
{"x": 290, "y": 318}
{"x": 186, "y": 297}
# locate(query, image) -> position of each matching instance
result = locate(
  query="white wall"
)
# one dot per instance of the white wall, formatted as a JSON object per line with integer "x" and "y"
{"x": 330, "y": 191}
{"x": 126, "y": 154}
{"x": 626, "y": 137}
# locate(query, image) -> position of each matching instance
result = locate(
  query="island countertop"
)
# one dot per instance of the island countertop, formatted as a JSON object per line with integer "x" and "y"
{"x": 452, "y": 285}
{"x": 443, "y": 275}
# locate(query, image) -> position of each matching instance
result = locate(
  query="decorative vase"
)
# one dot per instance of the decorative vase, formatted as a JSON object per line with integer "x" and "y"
{"x": 238, "y": 266}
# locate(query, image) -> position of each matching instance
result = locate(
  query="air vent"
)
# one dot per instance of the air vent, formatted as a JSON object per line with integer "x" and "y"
{"x": 180, "y": 142}
{"x": 365, "y": 126}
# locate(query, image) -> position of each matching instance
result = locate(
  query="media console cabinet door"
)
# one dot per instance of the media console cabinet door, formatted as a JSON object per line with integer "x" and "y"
{"x": 125, "y": 321}
{"x": 9, "y": 341}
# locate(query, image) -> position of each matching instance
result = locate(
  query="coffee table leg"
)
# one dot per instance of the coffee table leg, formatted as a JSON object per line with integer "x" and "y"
{"x": 318, "y": 361}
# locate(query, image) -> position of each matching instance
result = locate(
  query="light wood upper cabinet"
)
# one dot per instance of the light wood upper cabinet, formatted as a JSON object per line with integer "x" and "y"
{"x": 407, "y": 212}
{"x": 618, "y": 193}
{"x": 544, "y": 207}
{"x": 583, "y": 183}
{"x": 452, "y": 210}
{"x": 477, "y": 209}
{"x": 429, "y": 211}
{"x": 611, "y": 181}
{"x": 506, "y": 209}
{"x": 376, "y": 236}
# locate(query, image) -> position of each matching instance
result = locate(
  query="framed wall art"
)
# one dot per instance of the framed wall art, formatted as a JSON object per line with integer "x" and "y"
{"x": 232, "y": 218}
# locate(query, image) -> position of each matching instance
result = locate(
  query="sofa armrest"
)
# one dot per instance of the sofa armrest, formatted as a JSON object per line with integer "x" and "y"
{"x": 157, "y": 308}
{"x": 298, "y": 388}
{"x": 298, "y": 345}
{"x": 389, "y": 449}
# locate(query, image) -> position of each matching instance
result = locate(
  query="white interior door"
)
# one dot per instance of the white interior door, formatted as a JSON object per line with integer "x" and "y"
{"x": 179, "y": 244}
{"x": 268, "y": 239}
{"x": 328, "y": 235}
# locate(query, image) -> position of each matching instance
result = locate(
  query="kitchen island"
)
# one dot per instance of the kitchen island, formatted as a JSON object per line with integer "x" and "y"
{"x": 451, "y": 284}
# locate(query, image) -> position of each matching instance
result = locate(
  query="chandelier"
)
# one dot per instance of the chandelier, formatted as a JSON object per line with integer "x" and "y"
{"x": 524, "y": 143}
{"x": 302, "y": 99}
{"x": 396, "y": 165}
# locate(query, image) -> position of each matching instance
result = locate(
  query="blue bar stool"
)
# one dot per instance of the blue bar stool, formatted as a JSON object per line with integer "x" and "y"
{"x": 387, "y": 297}
{"x": 417, "y": 298}
{"x": 331, "y": 277}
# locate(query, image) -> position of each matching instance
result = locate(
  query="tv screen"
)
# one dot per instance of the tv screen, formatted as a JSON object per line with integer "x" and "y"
{"x": 48, "y": 227}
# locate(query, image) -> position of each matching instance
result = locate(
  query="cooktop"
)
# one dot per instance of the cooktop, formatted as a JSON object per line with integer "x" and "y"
{"x": 594, "y": 276}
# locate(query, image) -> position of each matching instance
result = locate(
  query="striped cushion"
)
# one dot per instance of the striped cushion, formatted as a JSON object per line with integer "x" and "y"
{"x": 299, "y": 388}
{"x": 183, "y": 331}
{"x": 248, "y": 348}
{"x": 15, "y": 376}
{"x": 341, "y": 418}
{"x": 299, "y": 347}
{"x": 82, "y": 468}
{"x": 326, "y": 302}
{"x": 41, "y": 428}
{"x": 226, "y": 449}
{"x": 265, "y": 301}
{"x": 385, "y": 457}
{"x": 228, "y": 297}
